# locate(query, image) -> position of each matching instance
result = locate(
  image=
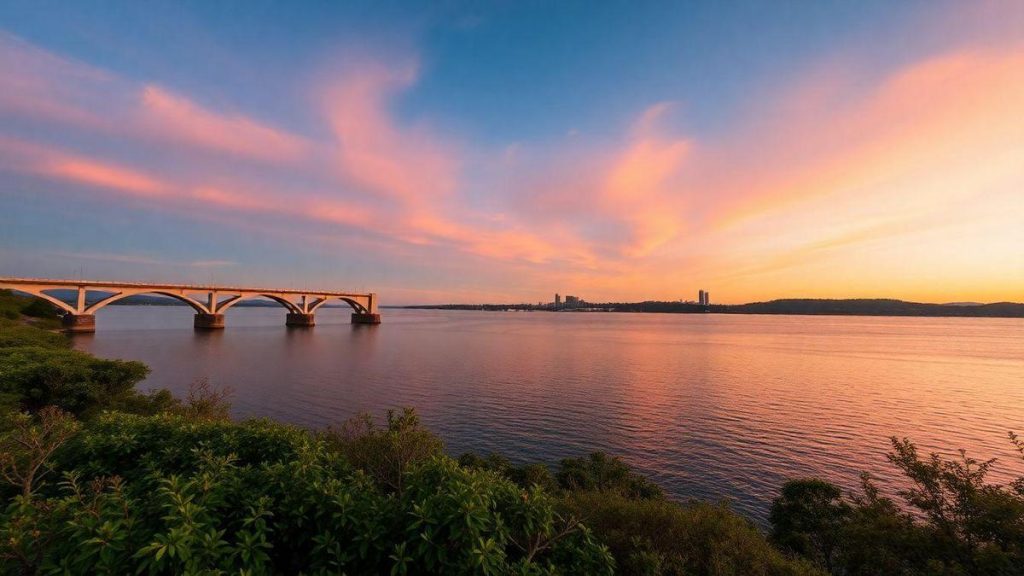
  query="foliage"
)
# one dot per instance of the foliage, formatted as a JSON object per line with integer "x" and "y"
{"x": 808, "y": 517}
{"x": 259, "y": 497}
{"x": 205, "y": 402}
{"x": 646, "y": 533}
{"x": 951, "y": 522}
{"x": 605, "y": 473}
{"x": 660, "y": 537}
{"x": 74, "y": 381}
{"x": 526, "y": 476}
{"x": 387, "y": 452}
{"x": 14, "y": 306}
{"x": 17, "y": 336}
{"x": 10, "y": 305}
{"x": 39, "y": 308}
{"x": 26, "y": 447}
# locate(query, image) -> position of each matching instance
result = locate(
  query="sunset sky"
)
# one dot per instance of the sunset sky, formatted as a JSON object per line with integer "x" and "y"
{"x": 502, "y": 152}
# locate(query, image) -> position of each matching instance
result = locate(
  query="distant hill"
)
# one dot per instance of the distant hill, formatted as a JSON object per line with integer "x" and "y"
{"x": 876, "y": 307}
{"x": 794, "y": 306}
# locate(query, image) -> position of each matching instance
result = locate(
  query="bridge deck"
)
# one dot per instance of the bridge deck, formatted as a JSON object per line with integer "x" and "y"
{"x": 97, "y": 284}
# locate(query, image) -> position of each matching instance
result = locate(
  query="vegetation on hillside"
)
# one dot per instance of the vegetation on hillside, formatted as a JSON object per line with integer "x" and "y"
{"x": 792, "y": 306}
{"x": 97, "y": 478}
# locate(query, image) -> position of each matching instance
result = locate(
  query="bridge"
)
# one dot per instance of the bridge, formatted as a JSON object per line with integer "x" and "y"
{"x": 209, "y": 302}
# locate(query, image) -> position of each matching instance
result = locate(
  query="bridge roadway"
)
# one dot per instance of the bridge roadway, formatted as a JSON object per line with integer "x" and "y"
{"x": 209, "y": 302}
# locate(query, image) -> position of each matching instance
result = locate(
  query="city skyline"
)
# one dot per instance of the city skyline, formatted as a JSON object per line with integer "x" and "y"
{"x": 478, "y": 153}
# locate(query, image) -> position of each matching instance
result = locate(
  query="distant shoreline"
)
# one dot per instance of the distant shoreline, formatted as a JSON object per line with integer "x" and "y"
{"x": 796, "y": 307}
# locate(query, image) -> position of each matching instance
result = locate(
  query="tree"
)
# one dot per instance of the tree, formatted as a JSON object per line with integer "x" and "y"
{"x": 386, "y": 453}
{"x": 807, "y": 519}
{"x": 26, "y": 447}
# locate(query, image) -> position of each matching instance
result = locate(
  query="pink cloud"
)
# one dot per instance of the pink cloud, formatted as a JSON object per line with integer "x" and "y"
{"x": 104, "y": 175}
{"x": 169, "y": 116}
{"x": 64, "y": 92}
{"x": 376, "y": 152}
{"x": 951, "y": 104}
{"x": 26, "y": 157}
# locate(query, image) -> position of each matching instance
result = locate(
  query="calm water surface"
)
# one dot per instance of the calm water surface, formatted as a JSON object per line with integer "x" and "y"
{"x": 709, "y": 406}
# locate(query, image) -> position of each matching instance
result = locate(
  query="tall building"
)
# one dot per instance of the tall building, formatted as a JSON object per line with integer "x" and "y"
{"x": 700, "y": 297}
{"x": 707, "y": 298}
{"x": 558, "y": 300}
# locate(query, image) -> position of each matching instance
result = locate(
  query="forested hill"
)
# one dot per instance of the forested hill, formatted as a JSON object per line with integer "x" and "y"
{"x": 876, "y": 307}
{"x": 796, "y": 306}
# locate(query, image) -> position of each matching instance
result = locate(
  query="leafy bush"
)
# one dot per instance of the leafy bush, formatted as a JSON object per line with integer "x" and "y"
{"x": 387, "y": 452}
{"x": 808, "y": 517}
{"x": 646, "y": 533}
{"x": 605, "y": 473}
{"x": 26, "y": 445}
{"x": 16, "y": 336}
{"x": 951, "y": 522}
{"x": 526, "y": 476}
{"x": 39, "y": 308}
{"x": 260, "y": 497}
{"x": 74, "y": 381}
{"x": 13, "y": 306}
{"x": 660, "y": 537}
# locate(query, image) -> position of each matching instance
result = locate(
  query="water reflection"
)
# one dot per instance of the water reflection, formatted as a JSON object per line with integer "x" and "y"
{"x": 710, "y": 406}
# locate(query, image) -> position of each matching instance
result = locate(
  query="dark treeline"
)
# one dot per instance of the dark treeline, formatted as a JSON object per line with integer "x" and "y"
{"x": 97, "y": 477}
{"x": 796, "y": 306}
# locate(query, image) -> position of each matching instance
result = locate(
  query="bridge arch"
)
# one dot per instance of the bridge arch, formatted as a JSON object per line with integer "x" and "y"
{"x": 288, "y": 304}
{"x": 358, "y": 307}
{"x": 51, "y": 299}
{"x": 197, "y": 306}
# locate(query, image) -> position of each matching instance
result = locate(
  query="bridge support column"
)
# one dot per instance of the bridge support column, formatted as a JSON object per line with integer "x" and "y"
{"x": 209, "y": 321}
{"x": 367, "y": 318}
{"x": 300, "y": 319}
{"x": 79, "y": 322}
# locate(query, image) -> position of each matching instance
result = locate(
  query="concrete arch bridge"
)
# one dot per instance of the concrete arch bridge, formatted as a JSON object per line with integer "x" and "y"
{"x": 209, "y": 302}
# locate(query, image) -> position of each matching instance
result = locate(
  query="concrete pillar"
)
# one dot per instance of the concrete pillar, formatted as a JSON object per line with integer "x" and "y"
{"x": 209, "y": 321}
{"x": 79, "y": 322}
{"x": 300, "y": 319}
{"x": 80, "y": 302}
{"x": 368, "y": 318}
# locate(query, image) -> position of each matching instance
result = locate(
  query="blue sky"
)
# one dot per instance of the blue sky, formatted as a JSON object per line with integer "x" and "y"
{"x": 503, "y": 151}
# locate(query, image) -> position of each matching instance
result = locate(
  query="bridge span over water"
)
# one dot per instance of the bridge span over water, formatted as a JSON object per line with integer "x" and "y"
{"x": 209, "y": 302}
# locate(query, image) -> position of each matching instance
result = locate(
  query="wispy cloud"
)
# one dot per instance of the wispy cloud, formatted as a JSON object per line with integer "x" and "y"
{"x": 818, "y": 172}
{"x": 139, "y": 259}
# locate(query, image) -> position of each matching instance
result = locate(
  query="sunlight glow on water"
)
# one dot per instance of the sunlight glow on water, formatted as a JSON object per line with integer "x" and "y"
{"x": 709, "y": 406}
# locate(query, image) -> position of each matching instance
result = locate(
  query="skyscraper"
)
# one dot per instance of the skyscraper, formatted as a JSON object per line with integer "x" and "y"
{"x": 558, "y": 300}
{"x": 700, "y": 297}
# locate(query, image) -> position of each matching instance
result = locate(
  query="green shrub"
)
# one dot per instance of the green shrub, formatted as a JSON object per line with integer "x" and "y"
{"x": 526, "y": 476}
{"x": 15, "y": 336}
{"x": 385, "y": 452}
{"x": 39, "y": 308}
{"x": 660, "y": 537}
{"x": 13, "y": 306}
{"x": 605, "y": 473}
{"x": 168, "y": 494}
{"x": 951, "y": 521}
{"x": 74, "y": 381}
{"x": 807, "y": 519}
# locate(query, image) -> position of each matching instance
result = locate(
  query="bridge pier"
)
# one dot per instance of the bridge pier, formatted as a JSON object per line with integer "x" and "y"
{"x": 79, "y": 322}
{"x": 365, "y": 318}
{"x": 209, "y": 321}
{"x": 300, "y": 319}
